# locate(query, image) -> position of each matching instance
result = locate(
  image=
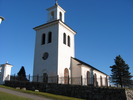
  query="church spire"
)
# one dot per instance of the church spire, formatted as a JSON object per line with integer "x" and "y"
{"x": 56, "y": 2}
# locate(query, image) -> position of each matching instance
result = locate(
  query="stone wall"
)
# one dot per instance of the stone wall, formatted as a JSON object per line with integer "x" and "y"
{"x": 129, "y": 94}
{"x": 85, "y": 92}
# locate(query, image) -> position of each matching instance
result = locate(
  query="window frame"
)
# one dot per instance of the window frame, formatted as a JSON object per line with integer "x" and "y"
{"x": 49, "y": 37}
{"x": 68, "y": 41}
{"x": 43, "y": 39}
{"x": 64, "y": 38}
{"x": 60, "y": 16}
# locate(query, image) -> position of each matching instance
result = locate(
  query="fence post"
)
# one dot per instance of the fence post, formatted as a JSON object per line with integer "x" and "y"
{"x": 37, "y": 78}
{"x": 29, "y": 77}
{"x": 68, "y": 79}
{"x": 71, "y": 80}
{"x": 81, "y": 80}
{"x": 14, "y": 77}
{"x": 106, "y": 81}
{"x": 57, "y": 79}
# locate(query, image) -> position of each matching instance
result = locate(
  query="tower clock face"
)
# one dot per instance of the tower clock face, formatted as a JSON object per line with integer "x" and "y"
{"x": 45, "y": 55}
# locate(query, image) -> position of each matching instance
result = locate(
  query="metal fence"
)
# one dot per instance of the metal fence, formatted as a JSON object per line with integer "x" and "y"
{"x": 63, "y": 80}
{"x": 91, "y": 81}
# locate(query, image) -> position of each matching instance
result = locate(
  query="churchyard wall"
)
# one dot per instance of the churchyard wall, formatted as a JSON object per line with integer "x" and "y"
{"x": 78, "y": 91}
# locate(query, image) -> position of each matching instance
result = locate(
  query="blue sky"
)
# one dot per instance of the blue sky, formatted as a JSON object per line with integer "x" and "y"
{"x": 104, "y": 30}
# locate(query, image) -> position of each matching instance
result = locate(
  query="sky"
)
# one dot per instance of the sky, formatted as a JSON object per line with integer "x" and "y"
{"x": 104, "y": 30}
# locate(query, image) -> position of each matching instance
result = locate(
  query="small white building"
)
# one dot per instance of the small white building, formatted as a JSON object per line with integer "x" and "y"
{"x": 5, "y": 72}
{"x": 55, "y": 53}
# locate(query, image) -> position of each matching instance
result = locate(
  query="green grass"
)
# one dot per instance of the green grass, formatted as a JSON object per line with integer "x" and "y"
{"x": 48, "y": 95}
{"x": 6, "y": 96}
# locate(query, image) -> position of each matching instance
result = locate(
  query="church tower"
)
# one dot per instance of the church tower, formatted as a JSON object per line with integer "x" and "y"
{"x": 54, "y": 45}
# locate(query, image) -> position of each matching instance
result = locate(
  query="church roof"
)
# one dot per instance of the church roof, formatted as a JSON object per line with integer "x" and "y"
{"x": 38, "y": 27}
{"x": 5, "y": 64}
{"x": 87, "y": 65}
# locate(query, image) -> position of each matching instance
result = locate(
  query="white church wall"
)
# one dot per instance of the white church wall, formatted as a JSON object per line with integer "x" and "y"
{"x": 84, "y": 70}
{"x": 76, "y": 68}
{"x": 64, "y": 51}
{"x": 75, "y": 72}
{"x": 5, "y": 73}
{"x": 79, "y": 70}
{"x": 62, "y": 12}
{"x": 99, "y": 74}
{"x": 49, "y": 65}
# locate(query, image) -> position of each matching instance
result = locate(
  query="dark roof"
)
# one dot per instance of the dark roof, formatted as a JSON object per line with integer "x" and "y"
{"x": 53, "y": 22}
{"x": 45, "y": 24}
{"x": 87, "y": 65}
{"x": 5, "y": 64}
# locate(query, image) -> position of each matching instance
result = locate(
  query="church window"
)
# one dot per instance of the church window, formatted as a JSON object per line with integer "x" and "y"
{"x": 43, "y": 39}
{"x": 45, "y": 55}
{"x": 101, "y": 80}
{"x": 60, "y": 16}
{"x": 95, "y": 80}
{"x": 52, "y": 15}
{"x": 88, "y": 77}
{"x": 64, "y": 38}
{"x": 106, "y": 81}
{"x": 68, "y": 41}
{"x": 49, "y": 37}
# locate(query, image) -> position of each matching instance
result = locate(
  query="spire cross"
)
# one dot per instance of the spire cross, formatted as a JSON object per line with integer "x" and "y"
{"x": 6, "y": 62}
{"x": 56, "y": 1}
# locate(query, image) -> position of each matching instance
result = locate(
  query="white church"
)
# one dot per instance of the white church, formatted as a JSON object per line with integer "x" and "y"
{"x": 55, "y": 53}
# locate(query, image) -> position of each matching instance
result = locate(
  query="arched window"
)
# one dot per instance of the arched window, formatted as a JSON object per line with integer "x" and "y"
{"x": 68, "y": 41}
{"x": 66, "y": 76}
{"x": 88, "y": 77}
{"x": 64, "y": 38}
{"x": 49, "y": 37}
{"x": 43, "y": 39}
{"x": 60, "y": 16}
{"x": 95, "y": 80}
{"x": 52, "y": 15}
{"x": 101, "y": 80}
{"x": 106, "y": 81}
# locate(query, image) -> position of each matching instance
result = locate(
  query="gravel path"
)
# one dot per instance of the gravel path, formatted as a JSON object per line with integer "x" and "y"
{"x": 34, "y": 97}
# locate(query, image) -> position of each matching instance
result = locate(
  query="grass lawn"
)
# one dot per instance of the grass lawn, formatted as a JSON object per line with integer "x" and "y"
{"x": 6, "y": 96}
{"x": 48, "y": 95}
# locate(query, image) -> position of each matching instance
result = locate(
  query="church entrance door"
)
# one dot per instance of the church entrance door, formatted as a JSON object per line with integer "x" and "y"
{"x": 66, "y": 76}
{"x": 45, "y": 77}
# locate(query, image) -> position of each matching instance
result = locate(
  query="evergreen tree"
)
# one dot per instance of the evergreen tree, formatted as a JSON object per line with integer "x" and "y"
{"x": 22, "y": 74}
{"x": 120, "y": 72}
